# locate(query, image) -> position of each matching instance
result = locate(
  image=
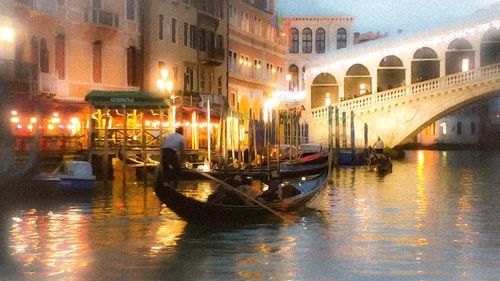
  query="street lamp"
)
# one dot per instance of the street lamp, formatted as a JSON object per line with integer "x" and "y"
{"x": 6, "y": 34}
{"x": 164, "y": 84}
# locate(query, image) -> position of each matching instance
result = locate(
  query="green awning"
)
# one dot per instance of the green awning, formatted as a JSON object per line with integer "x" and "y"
{"x": 125, "y": 99}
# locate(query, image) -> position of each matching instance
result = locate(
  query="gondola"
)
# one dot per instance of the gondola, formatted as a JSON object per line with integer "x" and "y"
{"x": 193, "y": 210}
{"x": 310, "y": 165}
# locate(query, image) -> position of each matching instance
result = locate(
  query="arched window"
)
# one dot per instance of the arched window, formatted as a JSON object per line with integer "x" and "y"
{"x": 293, "y": 85}
{"x": 307, "y": 40}
{"x": 320, "y": 41}
{"x": 44, "y": 56}
{"x": 294, "y": 48}
{"x": 341, "y": 38}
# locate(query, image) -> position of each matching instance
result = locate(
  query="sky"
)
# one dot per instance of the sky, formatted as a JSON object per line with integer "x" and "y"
{"x": 387, "y": 15}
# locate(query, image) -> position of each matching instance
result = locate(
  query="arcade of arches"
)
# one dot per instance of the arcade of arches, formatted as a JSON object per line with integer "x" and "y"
{"x": 391, "y": 72}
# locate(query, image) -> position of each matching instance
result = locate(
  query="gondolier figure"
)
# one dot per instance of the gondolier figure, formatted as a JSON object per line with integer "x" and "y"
{"x": 171, "y": 150}
{"x": 379, "y": 146}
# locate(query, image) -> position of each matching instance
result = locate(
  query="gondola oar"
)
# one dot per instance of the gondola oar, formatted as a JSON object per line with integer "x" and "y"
{"x": 225, "y": 184}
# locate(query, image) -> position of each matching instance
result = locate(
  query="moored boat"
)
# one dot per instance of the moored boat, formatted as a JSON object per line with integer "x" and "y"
{"x": 78, "y": 176}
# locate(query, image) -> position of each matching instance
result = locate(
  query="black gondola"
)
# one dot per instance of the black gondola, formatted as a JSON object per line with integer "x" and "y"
{"x": 305, "y": 166}
{"x": 194, "y": 210}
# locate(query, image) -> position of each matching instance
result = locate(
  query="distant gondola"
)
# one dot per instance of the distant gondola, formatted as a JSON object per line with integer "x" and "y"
{"x": 190, "y": 209}
{"x": 305, "y": 166}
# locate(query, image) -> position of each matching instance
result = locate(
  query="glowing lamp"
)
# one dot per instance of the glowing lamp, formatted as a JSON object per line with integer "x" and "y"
{"x": 6, "y": 34}
{"x": 164, "y": 73}
{"x": 160, "y": 84}
{"x": 169, "y": 86}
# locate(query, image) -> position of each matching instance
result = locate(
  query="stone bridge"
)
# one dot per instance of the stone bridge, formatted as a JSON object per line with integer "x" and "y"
{"x": 418, "y": 80}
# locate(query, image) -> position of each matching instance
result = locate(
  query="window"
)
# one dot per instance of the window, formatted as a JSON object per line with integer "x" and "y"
{"x": 320, "y": 41}
{"x": 210, "y": 41}
{"x": 219, "y": 85}
{"x": 472, "y": 128}
{"x": 188, "y": 79}
{"x": 131, "y": 62}
{"x": 186, "y": 34}
{"x": 192, "y": 36}
{"x": 444, "y": 128}
{"x": 131, "y": 9}
{"x": 97, "y": 61}
{"x": 295, "y": 41}
{"x": 60, "y": 56}
{"x": 160, "y": 26}
{"x": 61, "y": 2}
{"x": 341, "y": 38}
{"x": 459, "y": 128}
{"x": 203, "y": 40}
{"x": 293, "y": 84}
{"x": 96, "y": 4}
{"x": 307, "y": 40}
{"x": 211, "y": 82}
{"x": 220, "y": 42}
{"x": 202, "y": 79}
{"x": 174, "y": 28}
{"x": 44, "y": 56}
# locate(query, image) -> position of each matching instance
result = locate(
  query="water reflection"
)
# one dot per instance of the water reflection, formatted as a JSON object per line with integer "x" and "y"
{"x": 434, "y": 218}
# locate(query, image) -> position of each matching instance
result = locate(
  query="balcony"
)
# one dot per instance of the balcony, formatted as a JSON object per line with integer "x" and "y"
{"x": 101, "y": 18}
{"x": 20, "y": 77}
{"x": 212, "y": 56}
{"x": 40, "y": 7}
{"x": 47, "y": 84}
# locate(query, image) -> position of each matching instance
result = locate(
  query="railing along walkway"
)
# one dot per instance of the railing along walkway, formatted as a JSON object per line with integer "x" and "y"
{"x": 404, "y": 92}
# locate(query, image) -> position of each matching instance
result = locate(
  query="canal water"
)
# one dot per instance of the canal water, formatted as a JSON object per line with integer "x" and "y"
{"x": 435, "y": 217}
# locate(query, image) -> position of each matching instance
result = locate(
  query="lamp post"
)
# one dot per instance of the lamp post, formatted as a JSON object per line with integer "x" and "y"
{"x": 164, "y": 84}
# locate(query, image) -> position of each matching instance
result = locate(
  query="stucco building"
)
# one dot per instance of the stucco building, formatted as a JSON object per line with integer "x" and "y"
{"x": 256, "y": 55}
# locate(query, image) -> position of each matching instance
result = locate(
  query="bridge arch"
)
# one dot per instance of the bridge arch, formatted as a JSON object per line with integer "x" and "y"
{"x": 322, "y": 84}
{"x": 390, "y": 73}
{"x": 459, "y": 56}
{"x": 490, "y": 47}
{"x": 357, "y": 81}
{"x": 425, "y": 65}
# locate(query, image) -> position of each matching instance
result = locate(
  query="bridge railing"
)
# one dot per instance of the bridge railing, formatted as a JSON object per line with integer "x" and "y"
{"x": 410, "y": 90}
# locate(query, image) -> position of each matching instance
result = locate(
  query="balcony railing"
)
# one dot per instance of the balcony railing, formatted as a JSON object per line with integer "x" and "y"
{"x": 46, "y": 7}
{"x": 101, "y": 17}
{"x": 213, "y": 56}
{"x": 48, "y": 83}
{"x": 19, "y": 76}
{"x": 428, "y": 87}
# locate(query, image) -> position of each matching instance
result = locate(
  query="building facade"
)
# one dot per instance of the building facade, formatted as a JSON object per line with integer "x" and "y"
{"x": 61, "y": 50}
{"x": 188, "y": 38}
{"x": 256, "y": 57}
{"x": 310, "y": 38}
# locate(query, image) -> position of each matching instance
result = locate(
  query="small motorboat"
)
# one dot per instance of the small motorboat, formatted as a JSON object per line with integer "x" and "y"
{"x": 77, "y": 176}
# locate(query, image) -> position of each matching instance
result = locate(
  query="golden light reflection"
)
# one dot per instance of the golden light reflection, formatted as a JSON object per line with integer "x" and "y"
{"x": 167, "y": 236}
{"x": 422, "y": 202}
{"x": 50, "y": 244}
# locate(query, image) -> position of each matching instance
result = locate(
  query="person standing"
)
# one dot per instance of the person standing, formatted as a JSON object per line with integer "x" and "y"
{"x": 171, "y": 149}
{"x": 379, "y": 146}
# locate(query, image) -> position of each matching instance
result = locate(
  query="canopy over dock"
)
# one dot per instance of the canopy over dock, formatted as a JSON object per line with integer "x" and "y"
{"x": 125, "y": 99}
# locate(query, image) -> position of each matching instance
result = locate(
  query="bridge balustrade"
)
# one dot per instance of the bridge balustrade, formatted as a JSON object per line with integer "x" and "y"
{"x": 410, "y": 90}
